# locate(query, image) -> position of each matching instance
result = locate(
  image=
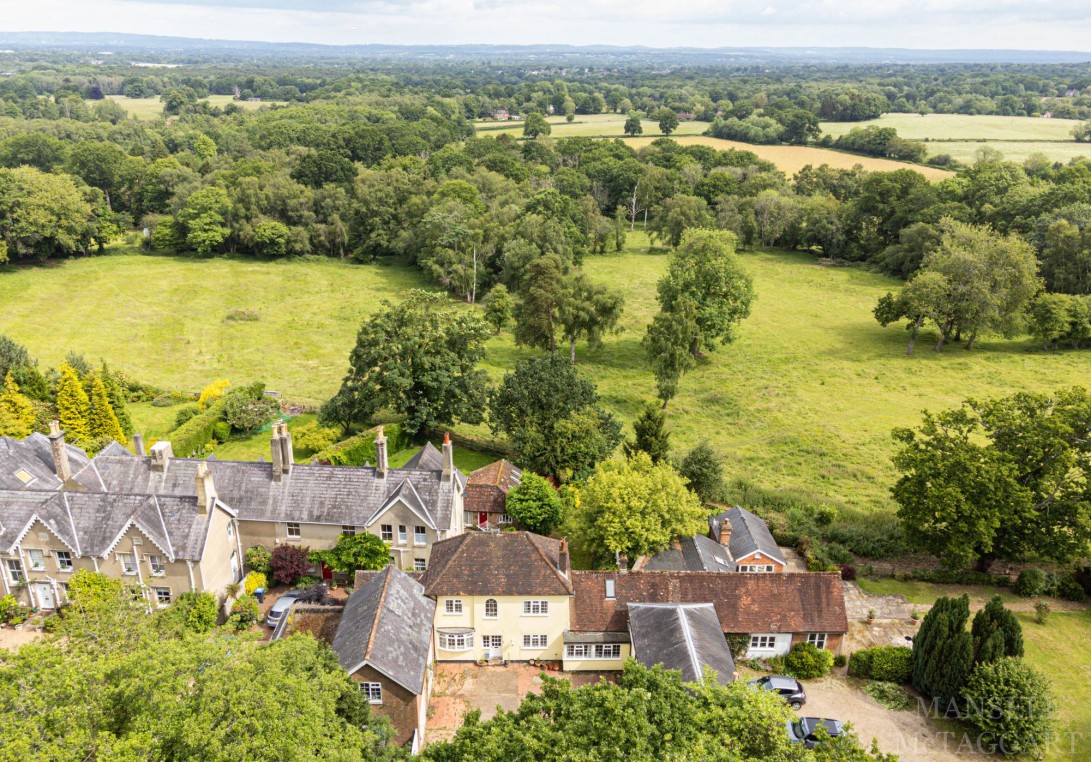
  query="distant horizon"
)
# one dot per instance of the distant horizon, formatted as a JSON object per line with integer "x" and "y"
{"x": 912, "y": 25}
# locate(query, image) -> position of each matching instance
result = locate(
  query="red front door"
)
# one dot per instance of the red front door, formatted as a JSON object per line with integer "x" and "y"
{"x": 482, "y": 519}
{"x": 327, "y": 573}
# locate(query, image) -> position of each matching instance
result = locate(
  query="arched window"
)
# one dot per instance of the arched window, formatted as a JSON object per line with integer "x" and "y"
{"x": 491, "y": 609}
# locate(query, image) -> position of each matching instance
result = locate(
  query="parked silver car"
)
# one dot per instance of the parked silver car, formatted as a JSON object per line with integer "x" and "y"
{"x": 284, "y": 602}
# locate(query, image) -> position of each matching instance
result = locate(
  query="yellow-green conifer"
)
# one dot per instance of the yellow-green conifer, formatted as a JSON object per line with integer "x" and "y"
{"x": 104, "y": 422}
{"x": 73, "y": 406}
{"x": 16, "y": 412}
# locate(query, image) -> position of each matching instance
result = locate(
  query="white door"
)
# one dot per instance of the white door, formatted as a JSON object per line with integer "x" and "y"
{"x": 43, "y": 591}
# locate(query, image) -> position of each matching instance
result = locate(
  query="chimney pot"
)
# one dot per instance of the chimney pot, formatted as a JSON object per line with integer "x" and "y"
{"x": 59, "y": 450}
{"x": 448, "y": 457}
{"x": 380, "y": 454}
{"x": 564, "y": 560}
{"x": 725, "y": 531}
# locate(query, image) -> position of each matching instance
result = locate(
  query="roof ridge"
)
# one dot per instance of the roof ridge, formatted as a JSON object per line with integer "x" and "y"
{"x": 565, "y": 582}
{"x": 687, "y": 637}
{"x": 378, "y": 613}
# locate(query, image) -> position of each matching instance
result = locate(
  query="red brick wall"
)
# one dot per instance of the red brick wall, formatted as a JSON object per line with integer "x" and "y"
{"x": 399, "y": 705}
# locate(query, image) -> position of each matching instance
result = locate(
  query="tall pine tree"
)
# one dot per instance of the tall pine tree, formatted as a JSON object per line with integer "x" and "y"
{"x": 996, "y": 633}
{"x": 73, "y": 405}
{"x": 117, "y": 401}
{"x": 16, "y": 412}
{"x": 104, "y": 424}
{"x": 943, "y": 651}
{"x": 651, "y": 435}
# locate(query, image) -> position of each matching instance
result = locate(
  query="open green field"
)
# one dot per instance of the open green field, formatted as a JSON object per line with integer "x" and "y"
{"x": 805, "y": 399}
{"x": 152, "y": 108}
{"x": 960, "y": 135}
{"x": 790, "y": 159}
{"x": 1058, "y": 649}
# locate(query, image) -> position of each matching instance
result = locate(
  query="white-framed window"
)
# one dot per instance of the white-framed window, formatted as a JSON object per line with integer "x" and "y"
{"x": 293, "y": 530}
{"x": 763, "y": 641}
{"x": 817, "y": 639}
{"x": 452, "y": 606}
{"x": 610, "y": 593}
{"x": 348, "y": 530}
{"x": 420, "y": 535}
{"x": 230, "y": 531}
{"x": 578, "y": 651}
{"x": 15, "y": 570}
{"x": 162, "y": 595}
{"x": 64, "y": 561}
{"x": 492, "y": 641}
{"x": 535, "y": 641}
{"x": 155, "y": 563}
{"x": 419, "y": 564}
{"x": 608, "y": 651}
{"x": 128, "y": 563}
{"x": 373, "y": 691}
{"x": 535, "y": 608}
{"x": 386, "y": 532}
{"x": 456, "y": 641}
{"x": 505, "y": 519}
{"x": 492, "y": 609}
{"x": 37, "y": 559}
{"x": 403, "y": 535}
{"x": 757, "y": 568}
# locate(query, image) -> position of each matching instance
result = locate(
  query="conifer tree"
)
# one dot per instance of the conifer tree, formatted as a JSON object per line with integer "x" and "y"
{"x": 651, "y": 435}
{"x": 16, "y": 412}
{"x": 103, "y": 422}
{"x": 117, "y": 401}
{"x": 996, "y": 633}
{"x": 73, "y": 405}
{"x": 943, "y": 651}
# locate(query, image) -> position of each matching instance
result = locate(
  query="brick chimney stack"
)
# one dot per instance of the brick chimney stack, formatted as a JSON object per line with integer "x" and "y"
{"x": 622, "y": 563}
{"x": 564, "y": 561}
{"x": 277, "y": 454}
{"x": 448, "y": 457}
{"x": 380, "y": 454}
{"x": 206, "y": 489}
{"x": 725, "y": 530}
{"x": 60, "y": 451}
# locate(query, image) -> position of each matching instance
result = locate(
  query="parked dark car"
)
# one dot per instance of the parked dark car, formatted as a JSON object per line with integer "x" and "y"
{"x": 805, "y": 730}
{"x": 788, "y": 688}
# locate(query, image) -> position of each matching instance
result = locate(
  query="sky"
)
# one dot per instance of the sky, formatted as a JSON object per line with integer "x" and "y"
{"x": 1017, "y": 24}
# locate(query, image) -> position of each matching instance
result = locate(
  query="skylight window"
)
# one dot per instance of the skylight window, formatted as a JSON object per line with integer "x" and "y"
{"x": 24, "y": 476}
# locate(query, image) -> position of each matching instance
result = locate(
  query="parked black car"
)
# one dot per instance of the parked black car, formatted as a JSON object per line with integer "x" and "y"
{"x": 788, "y": 688}
{"x": 805, "y": 730}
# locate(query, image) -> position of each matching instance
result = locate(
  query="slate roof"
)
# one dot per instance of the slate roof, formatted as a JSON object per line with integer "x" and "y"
{"x": 745, "y": 603}
{"x": 682, "y": 636}
{"x": 312, "y": 494}
{"x": 34, "y": 457}
{"x": 496, "y": 563}
{"x": 749, "y": 533}
{"x": 21, "y": 508}
{"x": 487, "y": 488}
{"x": 428, "y": 458}
{"x": 697, "y": 553}
{"x": 387, "y": 624}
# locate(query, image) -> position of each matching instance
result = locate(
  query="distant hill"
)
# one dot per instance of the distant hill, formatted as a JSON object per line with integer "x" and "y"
{"x": 187, "y": 48}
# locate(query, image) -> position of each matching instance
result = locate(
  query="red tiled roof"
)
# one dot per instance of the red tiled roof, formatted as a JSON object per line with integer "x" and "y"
{"x": 496, "y": 563}
{"x": 487, "y": 487}
{"x": 745, "y": 603}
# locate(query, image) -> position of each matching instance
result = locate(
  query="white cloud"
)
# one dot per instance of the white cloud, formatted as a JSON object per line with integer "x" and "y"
{"x": 1025, "y": 24}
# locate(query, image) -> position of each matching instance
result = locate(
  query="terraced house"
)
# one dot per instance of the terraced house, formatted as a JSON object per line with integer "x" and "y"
{"x": 179, "y": 524}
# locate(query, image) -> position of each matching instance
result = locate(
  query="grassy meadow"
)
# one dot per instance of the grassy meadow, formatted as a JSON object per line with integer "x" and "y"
{"x": 960, "y": 135}
{"x": 790, "y": 159}
{"x": 152, "y": 108}
{"x": 805, "y": 398}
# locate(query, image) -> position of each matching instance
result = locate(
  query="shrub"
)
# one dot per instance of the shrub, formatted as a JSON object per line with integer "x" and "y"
{"x": 249, "y": 412}
{"x": 1012, "y": 702}
{"x": 254, "y": 580}
{"x": 167, "y": 399}
{"x": 1071, "y": 590}
{"x": 312, "y": 438}
{"x": 949, "y": 577}
{"x": 192, "y": 612}
{"x": 212, "y": 392}
{"x": 840, "y": 660}
{"x": 889, "y": 664}
{"x": 1041, "y": 611}
{"x": 317, "y": 593}
{"x": 1031, "y": 582}
{"x": 241, "y": 316}
{"x": 244, "y": 612}
{"x": 8, "y": 604}
{"x": 890, "y": 695}
{"x": 360, "y": 449}
{"x": 307, "y": 581}
{"x": 221, "y": 431}
{"x": 288, "y": 563}
{"x": 738, "y": 645}
{"x": 806, "y": 661}
{"x": 184, "y": 414}
{"x": 258, "y": 558}
{"x": 848, "y": 572}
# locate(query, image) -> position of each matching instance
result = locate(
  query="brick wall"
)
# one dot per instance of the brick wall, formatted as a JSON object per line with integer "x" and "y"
{"x": 399, "y": 705}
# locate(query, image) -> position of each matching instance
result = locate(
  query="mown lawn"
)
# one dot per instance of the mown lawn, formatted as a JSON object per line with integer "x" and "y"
{"x": 805, "y": 398}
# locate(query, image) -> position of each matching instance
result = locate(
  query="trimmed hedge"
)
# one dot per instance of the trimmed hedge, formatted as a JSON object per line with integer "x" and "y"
{"x": 888, "y": 664}
{"x": 360, "y": 449}
{"x": 189, "y": 439}
{"x": 806, "y": 661}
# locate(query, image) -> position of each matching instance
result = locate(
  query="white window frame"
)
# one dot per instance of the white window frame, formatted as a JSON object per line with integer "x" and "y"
{"x": 535, "y": 642}
{"x": 600, "y": 651}
{"x": 156, "y": 561}
{"x": 505, "y": 519}
{"x": 535, "y": 607}
{"x": 64, "y": 560}
{"x": 403, "y": 534}
{"x": 159, "y": 600}
{"x": 125, "y": 569}
{"x": 757, "y": 568}
{"x": 348, "y": 530}
{"x": 386, "y": 532}
{"x": 763, "y": 642}
{"x": 817, "y": 639}
{"x": 578, "y": 651}
{"x": 452, "y": 606}
{"x": 373, "y": 691}
{"x": 611, "y": 589}
{"x": 36, "y": 565}
{"x": 492, "y": 641}
{"x": 495, "y": 609}
{"x": 15, "y": 570}
{"x": 420, "y": 535}
{"x": 292, "y": 531}
{"x": 608, "y": 651}
{"x": 462, "y": 641}
{"x": 419, "y": 564}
